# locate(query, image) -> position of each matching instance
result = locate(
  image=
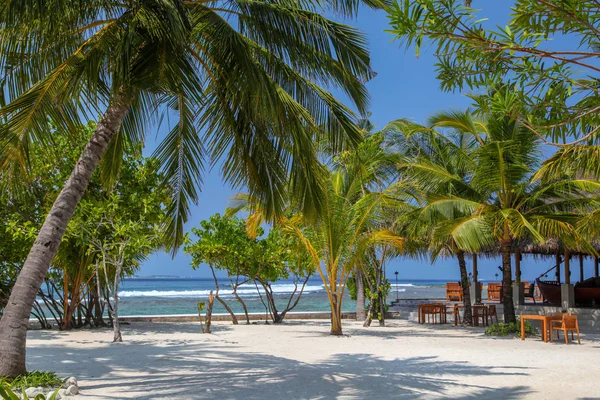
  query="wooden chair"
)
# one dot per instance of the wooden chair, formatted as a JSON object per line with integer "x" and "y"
{"x": 480, "y": 311}
{"x": 494, "y": 291}
{"x": 568, "y": 323}
{"x": 454, "y": 291}
{"x": 529, "y": 290}
{"x": 492, "y": 313}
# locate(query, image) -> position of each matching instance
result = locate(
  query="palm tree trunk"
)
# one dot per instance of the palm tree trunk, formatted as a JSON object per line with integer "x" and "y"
{"x": 507, "y": 301}
{"x": 464, "y": 280}
{"x": 361, "y": 313}
{"x": 380, "y": 298}
{"x": 336, "y": 316}
{"x": 13, "y": 325}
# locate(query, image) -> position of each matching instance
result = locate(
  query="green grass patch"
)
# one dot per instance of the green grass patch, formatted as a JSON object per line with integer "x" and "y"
{"x": 32, "y": 379}
{"x": 512, "y": 329}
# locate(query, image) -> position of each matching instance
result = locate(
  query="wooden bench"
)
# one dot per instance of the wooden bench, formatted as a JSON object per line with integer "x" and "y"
{"x": 494, "y": 292}
{"x": 454, "y": 291}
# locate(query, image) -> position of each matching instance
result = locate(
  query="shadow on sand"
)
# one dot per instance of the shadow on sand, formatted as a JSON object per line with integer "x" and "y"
{"x": 217, "y": 368}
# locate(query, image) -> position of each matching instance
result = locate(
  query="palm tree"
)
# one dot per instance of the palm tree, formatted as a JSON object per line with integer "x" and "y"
{"x": 374, "y": 166}
{"x": 353, "y": 222}
{"x": 237, "y": 77}
{"x": 502, "y": 201}
{"x": 425, "y": 149}
{"x": 339, "y": 241}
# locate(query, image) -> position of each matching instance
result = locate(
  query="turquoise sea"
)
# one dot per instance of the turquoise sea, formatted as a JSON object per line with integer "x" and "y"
{"x": 160, "y": 296}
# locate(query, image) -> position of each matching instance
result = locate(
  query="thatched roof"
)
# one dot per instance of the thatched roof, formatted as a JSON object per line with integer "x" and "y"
{"x": 550, "y": 248}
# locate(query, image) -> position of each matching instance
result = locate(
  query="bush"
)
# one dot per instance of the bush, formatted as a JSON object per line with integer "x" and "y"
{"x": 502, "y": 329}
{"x": 7, "y": 393}
{"x": 32, "y": 379}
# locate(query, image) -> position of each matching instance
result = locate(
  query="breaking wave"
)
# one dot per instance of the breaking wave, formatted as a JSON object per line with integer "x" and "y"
{"x": 243, "y": 291}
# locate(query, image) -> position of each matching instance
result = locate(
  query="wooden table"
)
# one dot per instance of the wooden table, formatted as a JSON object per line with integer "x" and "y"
{"x": 546, "y": 321}
{"x": 432, "y": 309}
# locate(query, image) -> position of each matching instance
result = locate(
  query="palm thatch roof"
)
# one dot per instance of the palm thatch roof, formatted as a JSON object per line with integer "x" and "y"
{"x": 550, "y": 248}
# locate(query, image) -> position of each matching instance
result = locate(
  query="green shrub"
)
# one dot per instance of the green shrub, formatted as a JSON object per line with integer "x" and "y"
{"x": 32, "y": 379}
{"x": 7, "y": 394}
{"x": 502, "y": 329}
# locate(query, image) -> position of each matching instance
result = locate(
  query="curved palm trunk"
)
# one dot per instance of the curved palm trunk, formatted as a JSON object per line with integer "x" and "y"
{"x": 507, "y": 302}
{"x": 464, "y": 280}
{"x": 361, "y": 313}
{"x": 13, "y": 325}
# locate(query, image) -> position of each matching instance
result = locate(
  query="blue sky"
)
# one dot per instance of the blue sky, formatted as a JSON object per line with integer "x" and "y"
{"x": 405, "y": 87}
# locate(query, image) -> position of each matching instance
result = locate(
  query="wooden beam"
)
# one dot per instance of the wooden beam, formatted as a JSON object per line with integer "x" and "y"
{"x": 517, "y": 266}
{"x": 558, "y": 267}
{"x": 567, "y": 268}
{"x": 476, "y": 280}
{"x": 580, "y": 268}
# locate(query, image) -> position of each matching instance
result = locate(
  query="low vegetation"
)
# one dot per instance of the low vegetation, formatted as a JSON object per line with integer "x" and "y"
{"x": 508, "y": 329}
{"x": 32, "y": 379}
{"x": 7, "y": 393}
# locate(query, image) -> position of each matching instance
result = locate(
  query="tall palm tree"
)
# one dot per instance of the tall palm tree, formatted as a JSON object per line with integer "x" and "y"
{"x": 353, "y": 222}
{"x": 237, "y": 77}
{"x": 374, "y": 167}
{"x": 348, "y": 228}
{"x": 503, "y": 201}
{"x": 426, "y": 149}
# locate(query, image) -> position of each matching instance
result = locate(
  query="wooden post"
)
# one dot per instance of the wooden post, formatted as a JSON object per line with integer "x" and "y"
{"x": 596, "y": 267}
{"x": 581, "y": 268}
{"x": 517, "y": 266}
{"x": 558, "y": 267}
{"x": 567, "y": 268}
{"x": 476, "y": 281}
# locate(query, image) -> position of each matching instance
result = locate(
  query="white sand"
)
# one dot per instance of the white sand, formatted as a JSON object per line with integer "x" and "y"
{"x": 299, "y": 360}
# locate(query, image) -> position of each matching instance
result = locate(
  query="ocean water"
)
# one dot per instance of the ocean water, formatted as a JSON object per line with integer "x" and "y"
{"x": 141, "y": 296}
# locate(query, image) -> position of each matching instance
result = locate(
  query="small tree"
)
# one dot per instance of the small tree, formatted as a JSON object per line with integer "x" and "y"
{"x": 276, "y": 257}
{"x": 122, "y": 228}
{"x": 224, "y": 244}
{"x": 221, "y": 243}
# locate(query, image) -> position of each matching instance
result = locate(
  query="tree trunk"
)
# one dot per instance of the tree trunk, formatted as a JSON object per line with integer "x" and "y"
{"x": 464, "y": 280}
{"x": 116, "y": 325}
{"x": 239, "y": 299}
{"x": 291, "y": 306}
{"x": 507, "y": 301}
{"x": 99, "y": 318}
{"x": 336, "y": 316}
{"x": 13, "y": 325}
{"x": 380, "y": 297}
{"x": 361, "y": 313}
{"x": 369, "y": 316}
{"x": 117, "y": 337}
{"x": 275, "y": 317}
{"x": 211, "y": 301}
{"x": 233, "y": 318}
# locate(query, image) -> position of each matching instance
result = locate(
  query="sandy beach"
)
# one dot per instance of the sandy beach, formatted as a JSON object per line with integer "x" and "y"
{"x": 300, "y": 360}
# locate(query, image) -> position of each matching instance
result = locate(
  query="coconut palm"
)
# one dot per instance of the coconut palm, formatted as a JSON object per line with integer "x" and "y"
{"x": 353, "y": 222}
{"x": 502, "y": 201}
{"x": 339, "y": 240}
{"x": 425, "y": 149}
{"x": 236, "y": 77}
{"x": 374, "y": 167}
